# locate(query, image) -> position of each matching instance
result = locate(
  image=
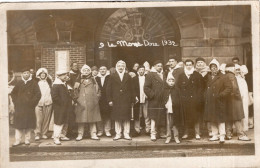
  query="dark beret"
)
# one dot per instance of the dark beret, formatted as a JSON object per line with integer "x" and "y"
{"x": 157, "y": 62}
{"x": 230, "y": 65}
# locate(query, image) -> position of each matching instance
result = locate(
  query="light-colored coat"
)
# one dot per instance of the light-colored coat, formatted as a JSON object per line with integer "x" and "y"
{"x": 87, "y": 109}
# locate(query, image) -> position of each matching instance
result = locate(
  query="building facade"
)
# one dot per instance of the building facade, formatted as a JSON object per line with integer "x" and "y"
{"x": 54, "y": 38}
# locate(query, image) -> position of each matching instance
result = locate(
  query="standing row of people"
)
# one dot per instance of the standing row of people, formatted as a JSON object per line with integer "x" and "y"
{"x": 178, "y": 97}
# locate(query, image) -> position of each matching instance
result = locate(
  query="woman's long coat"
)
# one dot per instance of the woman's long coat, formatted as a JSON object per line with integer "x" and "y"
{"x": 177, "y": 107}
{"x": 25, "y": 98}
{"x": 243, "y": 88}
{"x": 235, "y": 108}
{"x": 216, "y": 98}
{"x": 87, "y": 108}
{"x": 105, "y": 109}
{"x": 122, "y": 95}
{"x": 153, "y": 89}
{"x": 62, "y": 103}
{"x": 191, "y": 96}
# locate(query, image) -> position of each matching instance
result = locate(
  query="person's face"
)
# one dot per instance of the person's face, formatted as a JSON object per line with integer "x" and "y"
{"x": 200, "y": 63}
{"x": 171, "y": 82}
{"x": 43, "y": 75}
{"x": 141, "y": 71}
{"x": 158, "y": 67}
{"x": 213, "y": 68}
{"x": 64, "y": 77}
{"x": 94, "y": 73}
{"x": 188, "y": 65}
{"x": 172, "y": 63}
{"x": 103, "y": 70}
{"x": 136, "y": 65}
{"x": 74, "y": 67}
{"x": 26, "y": 75}
{"x": 31, "y": 71}
{"x": 121, "y": 67}
{"x": 86, "y": 71}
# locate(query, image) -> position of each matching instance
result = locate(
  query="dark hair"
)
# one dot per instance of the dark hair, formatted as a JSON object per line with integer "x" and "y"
{"x": 235, "y": 58}
{"x": 73, "y": 63}
{"x": 141, "y": 66}
{"x": 199, "y": 59}
{"x": 230, "y": 65}
{"x": 188, "y": 60}
{"x": 173, "y": 57}
{"x": 157, "y": 62}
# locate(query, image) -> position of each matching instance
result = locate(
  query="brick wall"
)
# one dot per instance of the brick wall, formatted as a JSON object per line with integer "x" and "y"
{"x": 77, "y": 54}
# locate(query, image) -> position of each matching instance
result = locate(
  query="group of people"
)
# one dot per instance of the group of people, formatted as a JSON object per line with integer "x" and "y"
{"x": 177, "y": 97}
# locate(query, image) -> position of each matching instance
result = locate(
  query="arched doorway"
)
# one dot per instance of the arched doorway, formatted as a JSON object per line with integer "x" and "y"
{"x": 148, "y": 26}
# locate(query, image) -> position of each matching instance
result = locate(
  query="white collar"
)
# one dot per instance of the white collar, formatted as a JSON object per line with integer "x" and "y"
{"x": 25, "y": 81}
{"x": 189, "y": 72}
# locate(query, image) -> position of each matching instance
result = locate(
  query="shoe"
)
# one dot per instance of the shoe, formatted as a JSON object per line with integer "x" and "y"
{"x": 37, "y": 138}
{"x": 27, "y": 142}
{"x": 64, "y": 139}
{"x": 153, "y": 138}
{"x": 136, "y": 134}
{"x": 79, "y": 138}
{"x": 99, "y": 134}
{"x": 127, "y": 137}
{"x": 214, "y": 138}
{"x": 44, "y": 137}
{"x": 228, "y": 137}
{"x": 244, "y": 138}
{"x": 210, "y": 134}
{"x": 108, "y": 134}
{"x": 251, "y": 127}
{"x": 16, "y": 144}
{"x": 117, "y": 138}
{"x": 197, "y": 137}
{"x": 57, "y": 142}
{"x": 177, "y": 140}
{"x": 222, "y": 139}
{"x": 185, "y": 136}
{"x": 168, "y": 140}
{"x": 94, "y": 137}
{"x": 163, "y": 136}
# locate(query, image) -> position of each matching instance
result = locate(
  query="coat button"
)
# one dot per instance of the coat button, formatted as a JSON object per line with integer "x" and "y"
{"x": 121, "y": 90}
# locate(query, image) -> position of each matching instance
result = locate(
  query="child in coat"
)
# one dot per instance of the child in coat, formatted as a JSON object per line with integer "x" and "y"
{"x": 174, "y": 115}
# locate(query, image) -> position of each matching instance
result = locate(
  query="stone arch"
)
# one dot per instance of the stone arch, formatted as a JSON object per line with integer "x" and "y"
{"x": 137, "y": 24}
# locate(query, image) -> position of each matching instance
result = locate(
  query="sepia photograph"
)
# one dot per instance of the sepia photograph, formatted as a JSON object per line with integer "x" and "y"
{"x": 130, "y": 84}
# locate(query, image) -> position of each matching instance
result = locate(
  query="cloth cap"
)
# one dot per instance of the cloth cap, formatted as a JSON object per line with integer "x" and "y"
{"x": 200, "y": 59}
{"x": 230, "y": 65}
{"x": 61, "y": 72}
{"x": 157, "y": 62}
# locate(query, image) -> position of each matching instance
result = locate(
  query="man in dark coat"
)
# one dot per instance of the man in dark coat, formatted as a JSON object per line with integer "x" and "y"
{"x": 105, "y": 110}
{"x": 235, "y": 112}
{"x": 25, "y": 95}
{"x": 120, "y": 96}
{"x": 62, "y": 106}
{"x": 216, "y": 94}
{"x": 174, "y": 67}
{"x": 191, "y": 88}
{"x": 74, "y": 75}
{"x": 141, "y": 107}
{"x": 154, "y": 82}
